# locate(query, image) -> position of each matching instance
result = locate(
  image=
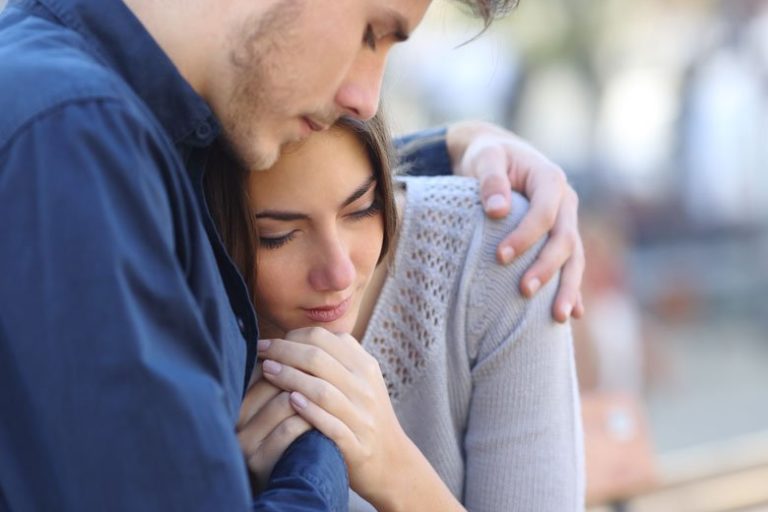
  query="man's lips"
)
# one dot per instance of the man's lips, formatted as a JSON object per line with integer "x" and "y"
{"x": 330, "y": 313}
{"x": 314, "y": 125}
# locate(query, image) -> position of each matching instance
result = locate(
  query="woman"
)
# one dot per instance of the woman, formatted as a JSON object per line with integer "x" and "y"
{"x": 405, "y": 342}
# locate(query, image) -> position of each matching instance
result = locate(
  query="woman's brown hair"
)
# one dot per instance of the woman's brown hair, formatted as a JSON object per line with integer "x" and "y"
{"x": 226, "y": 192}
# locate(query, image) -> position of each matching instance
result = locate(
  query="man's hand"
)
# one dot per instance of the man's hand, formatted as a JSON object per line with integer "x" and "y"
{"x": 502, "y": 161}
{"x": 267, "y": 426}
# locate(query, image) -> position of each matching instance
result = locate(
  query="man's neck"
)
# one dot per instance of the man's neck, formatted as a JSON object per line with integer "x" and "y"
{"x": 178, "y": 31}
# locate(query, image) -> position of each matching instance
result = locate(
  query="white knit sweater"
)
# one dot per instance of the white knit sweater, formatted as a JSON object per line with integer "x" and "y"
{"x": 482, "y": 379}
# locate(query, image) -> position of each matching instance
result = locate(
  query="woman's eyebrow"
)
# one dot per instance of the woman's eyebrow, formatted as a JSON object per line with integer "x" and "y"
{"x": 359, "y": 191}
{"x": 280, "y": 215}
{"x": 289, "y": 216}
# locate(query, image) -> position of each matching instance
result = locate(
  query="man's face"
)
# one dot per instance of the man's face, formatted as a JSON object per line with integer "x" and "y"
{"x": 295, "y": 66}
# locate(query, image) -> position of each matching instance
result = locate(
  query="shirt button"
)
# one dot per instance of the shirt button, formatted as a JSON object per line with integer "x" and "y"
{"x": 203, "y": 131}
{"x": 241, "y": 325}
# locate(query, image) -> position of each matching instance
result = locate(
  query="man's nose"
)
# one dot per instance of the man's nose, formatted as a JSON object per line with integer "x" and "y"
{"x": 359, "y": 94}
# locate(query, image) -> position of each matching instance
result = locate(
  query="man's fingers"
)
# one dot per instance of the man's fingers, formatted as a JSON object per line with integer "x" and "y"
{"x": 259, "y": 394}
{"x": 258, "y": 427}
{"x": 488, "y": 163}
{"x": 262, "y": 459}
{"x": 568, "y": 300}
{"x": 563, "y": 249}
{"x": 495, "y": 193}
{"x": 563, "y": 241}
{"x": 501, "y": 160}
{"x": 553, "y": 255}
{"x": 536, "y": 223}
{"x": 283, "y": 435}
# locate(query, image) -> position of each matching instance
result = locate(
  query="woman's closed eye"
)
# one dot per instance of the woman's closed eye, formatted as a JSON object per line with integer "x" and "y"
{"x": 275, "y": 242}
{"x": 368, "y": 211}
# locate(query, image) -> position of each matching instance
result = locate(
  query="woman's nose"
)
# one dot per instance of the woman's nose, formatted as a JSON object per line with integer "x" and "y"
{"x": 335, "y": 270}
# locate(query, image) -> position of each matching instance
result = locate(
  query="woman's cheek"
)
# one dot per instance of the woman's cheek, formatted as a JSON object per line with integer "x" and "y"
{"x": 273, "y": 286}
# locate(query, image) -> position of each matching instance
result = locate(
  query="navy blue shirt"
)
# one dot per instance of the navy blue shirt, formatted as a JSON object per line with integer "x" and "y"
{"x": 126, "y": 334}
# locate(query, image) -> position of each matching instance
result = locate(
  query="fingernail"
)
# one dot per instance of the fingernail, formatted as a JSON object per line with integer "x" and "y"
{"x": 271, "y": 367}
{"x": 495, "y": 202}
{"x": 533, "y": 286}
{"x": 507, "y": 255}
{"x": 263, "y": 345}
{"x": 298, "y": 400}
{"x": 565, "y": 311}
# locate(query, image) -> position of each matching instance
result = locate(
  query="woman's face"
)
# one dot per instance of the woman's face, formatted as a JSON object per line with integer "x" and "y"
{"x": 320, "y": 232}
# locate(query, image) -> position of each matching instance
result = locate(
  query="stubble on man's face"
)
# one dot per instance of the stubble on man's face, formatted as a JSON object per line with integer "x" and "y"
{"x": 257, "y": 105}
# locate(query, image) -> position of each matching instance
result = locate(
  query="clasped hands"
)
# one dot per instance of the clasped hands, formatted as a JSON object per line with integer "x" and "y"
{"x": 314, "y": 377}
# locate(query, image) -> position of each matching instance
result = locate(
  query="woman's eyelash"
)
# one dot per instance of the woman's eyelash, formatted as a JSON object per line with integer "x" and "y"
{"x": 275, "y": 243}
{"x": 368, "y": 212}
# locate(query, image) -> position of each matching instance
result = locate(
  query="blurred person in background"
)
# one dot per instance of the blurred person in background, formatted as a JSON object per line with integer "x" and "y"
{"x": 610, "y": 337}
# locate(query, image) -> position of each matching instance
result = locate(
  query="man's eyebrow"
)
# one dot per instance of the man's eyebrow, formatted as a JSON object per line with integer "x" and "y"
{"x": 359, "y": 191}
{"x": 289, "y": 216}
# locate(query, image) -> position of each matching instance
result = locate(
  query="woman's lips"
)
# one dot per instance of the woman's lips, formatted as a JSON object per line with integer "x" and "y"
{"x": 328, "y": 313}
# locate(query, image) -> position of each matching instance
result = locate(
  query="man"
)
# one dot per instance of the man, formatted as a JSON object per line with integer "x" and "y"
{"x": 126, "y": 334}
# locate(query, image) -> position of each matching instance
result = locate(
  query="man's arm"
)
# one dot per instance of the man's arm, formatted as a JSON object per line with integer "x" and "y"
{"x": 502, "y": 162}
{"x": 110, "y": 385}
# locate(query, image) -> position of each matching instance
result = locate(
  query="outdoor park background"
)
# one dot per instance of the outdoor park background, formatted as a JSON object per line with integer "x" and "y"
{"x": 658, "y": 112}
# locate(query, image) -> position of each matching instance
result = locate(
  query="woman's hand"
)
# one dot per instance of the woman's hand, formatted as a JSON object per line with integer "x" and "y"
{"x": 268, "y": 424}
{"x": 338, "y": 388}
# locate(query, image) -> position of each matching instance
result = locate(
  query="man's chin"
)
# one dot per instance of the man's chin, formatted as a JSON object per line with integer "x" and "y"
{"x": 264, "y": 164}
{"x": 250, "y": 156}
{"x": 260, "y": 159}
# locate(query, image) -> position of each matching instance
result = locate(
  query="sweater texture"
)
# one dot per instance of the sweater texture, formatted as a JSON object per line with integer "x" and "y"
{"x": 481, "y": 378}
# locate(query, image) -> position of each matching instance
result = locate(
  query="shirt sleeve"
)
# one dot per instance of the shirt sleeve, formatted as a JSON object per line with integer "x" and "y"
{"x": 298, "y": 483}
{"x": 424, "y": 153}
{"x": 110, "y": 385}
{"x": 523, "y": 444}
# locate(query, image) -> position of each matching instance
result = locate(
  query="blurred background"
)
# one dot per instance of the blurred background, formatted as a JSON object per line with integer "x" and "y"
{"x": 658, "y": 112}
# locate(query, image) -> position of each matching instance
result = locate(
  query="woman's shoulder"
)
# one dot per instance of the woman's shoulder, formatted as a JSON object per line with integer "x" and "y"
{"x": 448, "y": 209}
{"x": 488, "y": 291}
{"x": 457, "y": 198}
{"x": 444, "y": 216}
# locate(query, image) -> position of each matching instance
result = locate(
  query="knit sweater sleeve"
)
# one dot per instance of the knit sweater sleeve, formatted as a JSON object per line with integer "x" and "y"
{"x": 523, "y": 442}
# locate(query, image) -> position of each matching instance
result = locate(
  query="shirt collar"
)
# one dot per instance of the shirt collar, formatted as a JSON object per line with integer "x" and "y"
{"x": 120, "y": 39}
